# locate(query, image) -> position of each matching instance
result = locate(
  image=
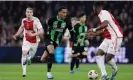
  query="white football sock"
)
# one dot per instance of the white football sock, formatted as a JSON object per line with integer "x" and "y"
{"x": 101, "y": 65}
{"x": 113, "y": 64}
{"x": 23, "y": 59}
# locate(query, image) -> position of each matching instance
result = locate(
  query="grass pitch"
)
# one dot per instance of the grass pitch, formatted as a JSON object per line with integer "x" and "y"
{"x": 59, "y": 71}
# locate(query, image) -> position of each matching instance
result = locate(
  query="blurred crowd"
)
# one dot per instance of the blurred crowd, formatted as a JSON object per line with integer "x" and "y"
{"x": 11, "y": 14}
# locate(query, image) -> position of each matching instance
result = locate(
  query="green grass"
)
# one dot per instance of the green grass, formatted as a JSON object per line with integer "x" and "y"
{"x": 60, "y": 72}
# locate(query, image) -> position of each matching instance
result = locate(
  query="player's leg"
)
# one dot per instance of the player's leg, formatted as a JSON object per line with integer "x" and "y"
{"x": 100, "y": 59}
{"x": 113, "y": 48}
{"x": 25, "y": 49}
{"x": 101, "y": 64}
{"x": 82, "y": 56}
{"x": 110, "y": 60}
{"x": 50, "y": 50}
{"x": 44, "y": 56}
{"x": 32, "y": 52}
{"x": 78, "y": 57}
{"x": 77, "y": 63}
{"x": 73, "y": 60}
{"x": 23, "y": 62}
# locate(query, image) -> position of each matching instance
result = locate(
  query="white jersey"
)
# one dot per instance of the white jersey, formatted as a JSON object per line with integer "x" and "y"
{"x": 113, "y": 30}
{"x": 33, "y": 26}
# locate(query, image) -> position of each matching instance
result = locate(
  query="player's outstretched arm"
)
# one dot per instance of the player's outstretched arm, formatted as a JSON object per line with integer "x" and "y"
{"x": 102, "y": 26}
{"x": 94, "y": 34}
{"x": 20, "y": 30}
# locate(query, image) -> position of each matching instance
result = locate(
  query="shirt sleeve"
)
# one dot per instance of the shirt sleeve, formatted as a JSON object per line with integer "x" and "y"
{"x": 105, "y": 16}
{"x": 39, "y": 25}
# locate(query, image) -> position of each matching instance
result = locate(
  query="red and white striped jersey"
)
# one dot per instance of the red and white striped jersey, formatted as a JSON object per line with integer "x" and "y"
{"x": 33, "y": 26}
{"x": 113, "y": 30}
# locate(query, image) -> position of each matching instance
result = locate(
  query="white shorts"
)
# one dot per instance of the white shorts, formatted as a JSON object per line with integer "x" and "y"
{"x": 30, "y": 47}
{"x": 111, "y": 46}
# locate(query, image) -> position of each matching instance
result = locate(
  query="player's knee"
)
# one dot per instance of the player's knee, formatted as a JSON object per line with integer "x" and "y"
{"x": 42, "y": 60}
{"x": 44, "y": 56}
{"x": 50, "y": 49}
{"x": 100, "y": 52}
{"x": 25, "y": 53}
{"x": 109, "y": 57}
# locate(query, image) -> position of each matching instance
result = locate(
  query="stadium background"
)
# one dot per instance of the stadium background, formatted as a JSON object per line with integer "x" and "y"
{"x": 12, "y": 12}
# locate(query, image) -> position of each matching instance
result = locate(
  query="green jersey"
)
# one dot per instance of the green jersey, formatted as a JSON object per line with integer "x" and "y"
{"x": 57, "y": 27}
{"x": 79, "y": 30}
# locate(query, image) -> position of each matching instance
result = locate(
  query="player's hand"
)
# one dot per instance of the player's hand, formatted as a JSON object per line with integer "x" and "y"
{"x": 79, "y": 40}
{"x": 91, "y": 35}
{"x": 15, "y": 37}
{"x": 86, "y": 42}
{"x": 90, "y": 30}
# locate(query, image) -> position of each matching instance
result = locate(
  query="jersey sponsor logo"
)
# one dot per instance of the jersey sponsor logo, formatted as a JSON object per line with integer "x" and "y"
{"x": 120, "y": 55}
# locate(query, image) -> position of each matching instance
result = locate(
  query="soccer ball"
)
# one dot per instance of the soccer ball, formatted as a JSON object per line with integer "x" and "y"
{"x": 92, "y": 75}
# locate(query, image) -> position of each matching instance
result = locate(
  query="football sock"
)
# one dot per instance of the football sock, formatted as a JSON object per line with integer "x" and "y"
{"x": 113, "y": 64}
{"x": 23, "y": 59}
{"x": 72, "y": 63}
{"x": 77, "y": 63}
{"x": 101, "y": 65}
{"x": 49, "y": 62}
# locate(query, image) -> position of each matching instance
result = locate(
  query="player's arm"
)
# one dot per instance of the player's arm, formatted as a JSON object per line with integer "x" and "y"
{"x": 40, "y": 32}
{"x": 72, "y": 30}
{"x": 74, "y": 33}
{"x": 94, "y": 34}
{"x": 20, "y": 30}
{"x": 47, "y": 25}
{"x": 102, "y": 26}
{"x": 104, "y": 20}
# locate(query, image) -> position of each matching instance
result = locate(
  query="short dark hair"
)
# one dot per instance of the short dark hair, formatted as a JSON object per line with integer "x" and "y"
{"x": 81, "y": 14}
{"x": 97, "y": 4}
{"x": 62, "y": 7}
